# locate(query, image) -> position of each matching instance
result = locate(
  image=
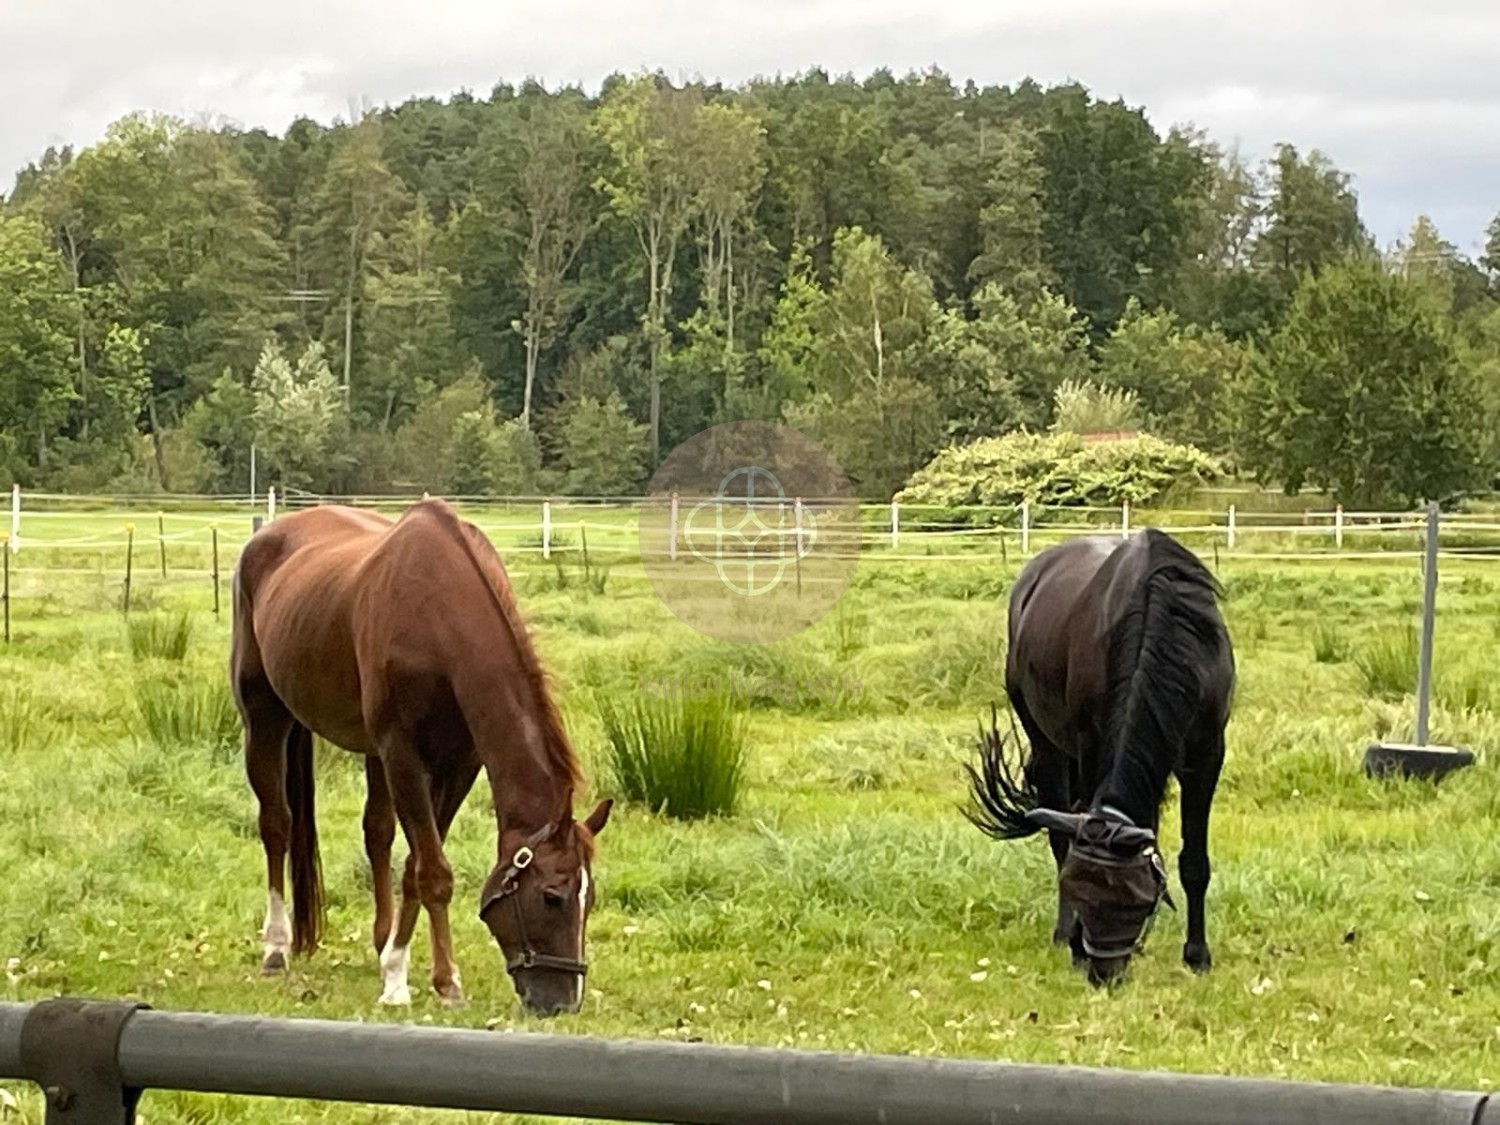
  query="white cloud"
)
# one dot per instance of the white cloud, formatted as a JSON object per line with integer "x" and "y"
{"x": 1403, "y": 96}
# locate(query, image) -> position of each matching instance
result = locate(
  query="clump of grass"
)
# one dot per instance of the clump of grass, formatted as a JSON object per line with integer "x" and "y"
{"x": 1330, "y": 646}
{"x": 680, "y": 754}
{"x": 160, "y": 636}
{"x": 25, "y": 722}
{"x": 1388, "y": 664}
{"x": 1466, "y": 690}
{"x": 182, "y": 712}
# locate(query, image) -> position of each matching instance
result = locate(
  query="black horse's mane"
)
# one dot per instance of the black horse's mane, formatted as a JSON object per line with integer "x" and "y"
{"x": 1168, "y": 637}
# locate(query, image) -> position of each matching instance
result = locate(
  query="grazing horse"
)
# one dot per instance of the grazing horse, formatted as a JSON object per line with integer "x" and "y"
{"x": 1121, "y": 671}
{"x": 401, "y": 641}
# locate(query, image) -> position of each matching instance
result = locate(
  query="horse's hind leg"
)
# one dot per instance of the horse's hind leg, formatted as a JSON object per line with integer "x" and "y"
{"x": 380, "y": 834}
{"x": 1198, "y": 784}
{"x": 267, "y": 725}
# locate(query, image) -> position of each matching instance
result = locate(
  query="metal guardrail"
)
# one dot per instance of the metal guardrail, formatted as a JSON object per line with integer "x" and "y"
{"x": 94, "y": 1058}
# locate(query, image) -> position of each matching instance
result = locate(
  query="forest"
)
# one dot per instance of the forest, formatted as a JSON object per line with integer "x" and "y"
{"x": 544, "y": 290}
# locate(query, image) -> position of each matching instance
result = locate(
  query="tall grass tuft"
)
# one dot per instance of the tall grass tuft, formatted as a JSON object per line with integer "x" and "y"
{"x": 681, "y": 754}
{"x": 1388, "y": 664}
{"x": 1330, "y": 646}
{"x": 179, "y": 712}
{"x": 161, "y": 636}
{"x": 25, "y": 723}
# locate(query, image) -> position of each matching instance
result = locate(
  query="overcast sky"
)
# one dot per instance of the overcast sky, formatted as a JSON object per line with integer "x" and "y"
{"x": 1404, "y": 94}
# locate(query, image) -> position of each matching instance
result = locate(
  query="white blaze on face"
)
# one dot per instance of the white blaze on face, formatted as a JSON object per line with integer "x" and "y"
{"x": 393, "y": 964}
{"x": 583, "y": 906}
{"x": 278, "y": 931}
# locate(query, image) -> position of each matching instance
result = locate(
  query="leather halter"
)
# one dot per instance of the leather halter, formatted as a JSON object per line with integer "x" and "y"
{"x": 528, "y": 958}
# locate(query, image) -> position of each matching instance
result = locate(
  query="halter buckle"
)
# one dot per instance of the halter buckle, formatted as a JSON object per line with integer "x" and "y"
{"x": 522, "y": 859}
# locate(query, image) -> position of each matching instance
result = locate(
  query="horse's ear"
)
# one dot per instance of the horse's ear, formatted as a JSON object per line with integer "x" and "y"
{"x": 599, "y": 817}
{"x": 1054, "y": 820}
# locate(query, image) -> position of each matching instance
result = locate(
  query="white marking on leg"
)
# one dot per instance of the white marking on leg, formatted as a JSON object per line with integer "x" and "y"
{"x": 277, "y": 931}
{"x": 583, "y": 905}
{"x": 393, "y": 965}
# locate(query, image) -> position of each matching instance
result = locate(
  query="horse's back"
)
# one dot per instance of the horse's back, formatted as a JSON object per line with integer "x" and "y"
{"x": 297, "y": 584}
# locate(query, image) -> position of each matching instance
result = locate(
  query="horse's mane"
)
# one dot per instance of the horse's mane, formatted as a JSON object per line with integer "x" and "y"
{"x": 481, "y": 552}
{"x": 1169, "y": 637}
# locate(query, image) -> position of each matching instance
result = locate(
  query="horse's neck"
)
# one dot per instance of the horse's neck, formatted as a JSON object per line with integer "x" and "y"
{"x": 510, "y": 742}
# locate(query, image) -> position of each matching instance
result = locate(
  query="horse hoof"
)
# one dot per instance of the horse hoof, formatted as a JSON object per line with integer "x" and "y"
{"x": 396, "y": 997}
{"x": 273, "y": 965}
{"x": 454, "y": 1001}
{"x": 1197, "y": 958}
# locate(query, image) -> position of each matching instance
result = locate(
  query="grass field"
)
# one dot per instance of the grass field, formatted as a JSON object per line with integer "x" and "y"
{"x": 1355, "y": 924}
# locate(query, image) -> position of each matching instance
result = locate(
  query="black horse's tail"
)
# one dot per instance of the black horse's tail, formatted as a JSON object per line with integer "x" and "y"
{"x": 1001, "y": 797}
{"x": 1161, "y": 653}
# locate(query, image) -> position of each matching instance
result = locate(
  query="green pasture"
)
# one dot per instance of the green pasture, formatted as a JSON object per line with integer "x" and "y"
{"x": 847, "y": 905}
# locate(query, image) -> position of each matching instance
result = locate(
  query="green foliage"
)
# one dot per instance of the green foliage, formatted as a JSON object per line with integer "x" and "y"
{"x": 160, "y": 636}
{"x": 1059, "y": 469}
{"x": 184, "y": 712}
{"x": 680, "y": 754}
{"x": 911, "y": 255}
{"x": 298, "y": 416}
{"x": 26, "y": 722}
{"x": 603, "y": 449}
{"x": 1087, "y": 408}
{"x": 1330, "y": 645}
{"x": 1388, "y": 663}
{"x": 1360, "y": 392}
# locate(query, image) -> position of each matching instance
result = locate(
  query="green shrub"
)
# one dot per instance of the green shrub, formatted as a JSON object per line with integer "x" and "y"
{"x": 1060, "y": 469}
{"x": 1087, "y": 408}
{"x": 160, "y": 636}
{"x": 681, "y": 754}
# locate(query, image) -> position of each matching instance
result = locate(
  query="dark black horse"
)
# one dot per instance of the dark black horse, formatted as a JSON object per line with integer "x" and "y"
{"x": 1121, "y": 671}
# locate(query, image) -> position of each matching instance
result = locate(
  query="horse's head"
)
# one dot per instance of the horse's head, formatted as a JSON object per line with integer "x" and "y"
{"x": 536, "y": 903}
{"x": 1114, "y": 878}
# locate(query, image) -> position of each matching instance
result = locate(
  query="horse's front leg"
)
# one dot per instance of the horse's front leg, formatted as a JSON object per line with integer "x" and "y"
{"x": 449, "y": 799}
{"x": 1198, "y": 784}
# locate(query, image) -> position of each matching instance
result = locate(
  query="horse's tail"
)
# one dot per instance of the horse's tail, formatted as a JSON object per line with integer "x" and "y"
{"x": 1000, "y": 800}
{"x": 1161, "y": 653}
{"x": 307, "y": 867}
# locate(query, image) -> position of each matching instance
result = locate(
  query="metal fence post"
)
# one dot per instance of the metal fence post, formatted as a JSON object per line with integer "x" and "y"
{"x": 895, "y": 524}
{"x": 70, "y": 1048}
{"x": 1429, "y": 606}
{"x": 1230, "y": 527}
{"x": 546, "y": 529}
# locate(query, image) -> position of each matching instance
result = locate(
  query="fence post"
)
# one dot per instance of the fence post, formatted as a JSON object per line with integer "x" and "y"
{"x": 1025, "y": 527}
{"x": 1230, "y": 527}
{"x": 270, "y": 503}
{"x": 1429, "y": 602}
{"x": 214, "y": 529}
{"x": 161, "y": 539}
{"x": 129, "y": 562}
{"x": 5, "y": 588}
{"x": 895, "y": 523}
{"x": 797, "y": 513}
{"x": 15, "y": 518}
{"x": 672, "y": 530}
{"x": 1338, "y": 526}
{"x": 546, "y": 529}
{"x": 1125, "y": 520}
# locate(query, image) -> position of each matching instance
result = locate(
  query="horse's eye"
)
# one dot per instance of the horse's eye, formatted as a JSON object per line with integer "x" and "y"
{"x": 553, "y": 898}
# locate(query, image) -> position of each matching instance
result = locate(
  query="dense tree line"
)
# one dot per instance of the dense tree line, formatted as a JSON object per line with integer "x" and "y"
{"x": 548, "y": 290}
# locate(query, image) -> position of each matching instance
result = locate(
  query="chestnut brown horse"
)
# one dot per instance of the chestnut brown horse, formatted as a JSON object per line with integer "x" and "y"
{"x": 401, "y": 641}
